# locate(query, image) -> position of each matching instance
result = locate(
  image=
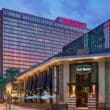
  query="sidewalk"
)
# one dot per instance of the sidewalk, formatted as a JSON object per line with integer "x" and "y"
{"x": 13, "y": 107}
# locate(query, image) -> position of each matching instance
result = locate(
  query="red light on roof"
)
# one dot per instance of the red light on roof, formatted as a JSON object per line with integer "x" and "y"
{"x": 71, "y": 22}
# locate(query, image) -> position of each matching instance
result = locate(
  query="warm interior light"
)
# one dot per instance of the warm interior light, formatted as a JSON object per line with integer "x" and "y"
{"x": 96, "y": 58}
{"x": 73, "y": 90}
{"x": 9, "y": 88}
{"x": 93, "y": 89}
{"x": 60, "y": 59}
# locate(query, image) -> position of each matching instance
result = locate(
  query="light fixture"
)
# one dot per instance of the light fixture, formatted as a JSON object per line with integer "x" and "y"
{"x": 73, "y": 90}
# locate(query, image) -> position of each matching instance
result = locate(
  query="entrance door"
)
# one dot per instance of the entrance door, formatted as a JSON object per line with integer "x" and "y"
{"x": 82, "y": 94}
{"x": 84, "y": 76}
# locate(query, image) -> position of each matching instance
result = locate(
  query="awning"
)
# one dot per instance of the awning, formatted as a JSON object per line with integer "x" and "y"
{"x": 34, "y": 82}
{"x": 33, "y": 97}
{"x": 36, "y": 97}
{"x": 29, "y": 83}
{"x": 46, "y": 95}
{"x": 49, "y": 79}
{"x": 41, "y": 80}
{"x": 29, "y": 97}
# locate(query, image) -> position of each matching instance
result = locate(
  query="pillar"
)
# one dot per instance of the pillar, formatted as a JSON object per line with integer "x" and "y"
{"x": 55, "y": 83}
{"x": 107, "y": 86}
{"x": 101, "y": 83}
{"x": 60, "y": 78}
{"x": 66, "y": 70}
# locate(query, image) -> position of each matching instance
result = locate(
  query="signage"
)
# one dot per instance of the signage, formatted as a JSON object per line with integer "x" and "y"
{"x": 83, "y": 68}
{"x": 71, "y": 22}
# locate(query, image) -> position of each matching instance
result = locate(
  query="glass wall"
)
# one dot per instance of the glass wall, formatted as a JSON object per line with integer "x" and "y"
{"x": 95, "y": 41}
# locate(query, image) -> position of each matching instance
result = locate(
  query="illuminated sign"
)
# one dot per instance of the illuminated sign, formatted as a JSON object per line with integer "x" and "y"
{"x": 83, "y": 68}
{"x": 71, "y": 22}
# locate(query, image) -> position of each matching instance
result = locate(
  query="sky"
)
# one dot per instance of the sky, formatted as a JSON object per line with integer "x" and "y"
{"x": 92, "y": 12}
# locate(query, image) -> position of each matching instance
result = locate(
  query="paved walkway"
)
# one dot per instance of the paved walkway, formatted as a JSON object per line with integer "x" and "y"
{"x": 13, "y": 107}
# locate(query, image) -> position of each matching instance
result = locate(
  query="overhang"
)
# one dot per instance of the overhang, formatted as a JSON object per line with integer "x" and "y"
{"x": 54, "y": 60}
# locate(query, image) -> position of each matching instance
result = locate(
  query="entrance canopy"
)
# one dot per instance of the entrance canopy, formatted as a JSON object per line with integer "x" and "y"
{"x": 54, "y": 60}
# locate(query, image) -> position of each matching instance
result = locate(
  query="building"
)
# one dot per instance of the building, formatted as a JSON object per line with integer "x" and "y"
{"x": 27, "y": 39}
{"x": 82, "y": 68}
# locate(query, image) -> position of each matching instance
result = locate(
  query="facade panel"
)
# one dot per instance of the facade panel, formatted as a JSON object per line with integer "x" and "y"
{"x": 1, "y": 40}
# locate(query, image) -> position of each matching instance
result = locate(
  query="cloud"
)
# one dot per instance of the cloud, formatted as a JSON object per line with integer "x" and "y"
{"x": 38, "y": 7}
{"x": 92, "y": 12}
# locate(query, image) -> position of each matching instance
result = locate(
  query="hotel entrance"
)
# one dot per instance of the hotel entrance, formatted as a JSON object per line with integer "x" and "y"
{"x": 82, "y": 95}
{"x": 83, "y": 85}
{"x": 84, "y": 78}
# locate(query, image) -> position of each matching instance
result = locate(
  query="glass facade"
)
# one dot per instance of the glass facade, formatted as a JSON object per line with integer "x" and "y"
{"x": 95, "y": 41}
{"x": 29, "y": 40}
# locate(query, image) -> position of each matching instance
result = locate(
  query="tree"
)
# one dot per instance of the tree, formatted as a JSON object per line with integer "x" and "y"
{"x": 12, "y": 73}
{"x": 3, "y": 82}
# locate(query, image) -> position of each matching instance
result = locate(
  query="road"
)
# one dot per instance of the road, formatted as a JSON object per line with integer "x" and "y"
{"x": 3, "y": 107}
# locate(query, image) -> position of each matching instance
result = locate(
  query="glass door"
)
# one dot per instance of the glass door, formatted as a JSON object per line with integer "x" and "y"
{"x": 82, "y": 94}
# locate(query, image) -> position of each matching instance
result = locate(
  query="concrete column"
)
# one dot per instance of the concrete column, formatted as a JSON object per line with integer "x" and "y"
{"x": 101, "y": 82}
{"x": 24, "y": 84}
{"x": 66, "y": 71}
{"x": 60, "y": 82}
{"x": 107, "y": 85}
{"x": 24, "y": 87}
{"x": 55, "y": 75}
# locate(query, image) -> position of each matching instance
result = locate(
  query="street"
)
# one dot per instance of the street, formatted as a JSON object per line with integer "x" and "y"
{"x": 13, "y": 107}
